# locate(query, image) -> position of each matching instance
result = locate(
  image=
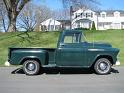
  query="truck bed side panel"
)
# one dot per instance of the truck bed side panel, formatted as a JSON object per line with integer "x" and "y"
{"x": 45, "y": 55}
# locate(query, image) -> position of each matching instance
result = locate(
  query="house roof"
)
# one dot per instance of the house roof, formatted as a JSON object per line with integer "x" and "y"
{"x": 50, "y": 21}
{"x": 83, "y": 10}
{"x": 65, "y": 21}
{"x": 108, "y": 12}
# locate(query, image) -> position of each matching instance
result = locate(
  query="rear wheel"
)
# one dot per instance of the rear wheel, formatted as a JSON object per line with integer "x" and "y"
{"x": 31, "y": 67}
{"x": 102, "y": 66}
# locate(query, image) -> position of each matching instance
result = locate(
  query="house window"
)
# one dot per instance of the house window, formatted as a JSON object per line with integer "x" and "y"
{"x": 57, "y": 27}
{"x": 81, "y": 15}
{"x": 78, "y": 25}
{"x": 91, "y": 14}
{"x": 52, "y": 27}
{"x": 75, "y": 15}
{"x": 103, "y": 15}
{"x": 88, "y": 15}
{"x": 116, "y": 14}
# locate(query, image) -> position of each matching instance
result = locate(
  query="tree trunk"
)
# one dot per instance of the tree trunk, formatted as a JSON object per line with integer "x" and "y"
{"x": 12, "y": 21}
{"x": 37, "y": 27}
{"x": 12, "y": 25}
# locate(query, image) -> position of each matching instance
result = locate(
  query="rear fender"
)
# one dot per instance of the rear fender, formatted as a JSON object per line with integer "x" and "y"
{"x": 42, "y": 59}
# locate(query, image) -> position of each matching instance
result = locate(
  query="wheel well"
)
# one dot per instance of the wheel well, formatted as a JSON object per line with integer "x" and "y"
{"x": 104, "y": 56}
{"x": 30, "y": 59}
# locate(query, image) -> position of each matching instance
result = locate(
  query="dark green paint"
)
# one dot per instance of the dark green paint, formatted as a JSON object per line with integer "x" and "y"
{"x": 77, "y": 54}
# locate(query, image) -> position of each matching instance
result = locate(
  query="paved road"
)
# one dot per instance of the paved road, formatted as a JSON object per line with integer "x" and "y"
{"x": 61, "y": 83}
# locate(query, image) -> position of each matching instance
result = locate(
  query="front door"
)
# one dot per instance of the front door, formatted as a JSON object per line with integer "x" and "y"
{"x": 71, "y": 53}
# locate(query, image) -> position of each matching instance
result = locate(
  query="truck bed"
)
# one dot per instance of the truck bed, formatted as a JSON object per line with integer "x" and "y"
{"x": 50, "y": 53}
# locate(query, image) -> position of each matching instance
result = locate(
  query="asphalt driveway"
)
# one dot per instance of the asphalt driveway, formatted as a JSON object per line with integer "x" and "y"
{"x": 12, "y": 80}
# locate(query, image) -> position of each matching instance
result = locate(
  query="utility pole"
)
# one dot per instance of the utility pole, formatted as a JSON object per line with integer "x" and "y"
{"x": 71, "y": 11}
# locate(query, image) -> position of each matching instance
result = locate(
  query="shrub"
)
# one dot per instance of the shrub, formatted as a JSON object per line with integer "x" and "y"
{"x": 93, "y": 26}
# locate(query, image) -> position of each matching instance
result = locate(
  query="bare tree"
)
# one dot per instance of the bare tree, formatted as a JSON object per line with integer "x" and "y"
{"x": 3, "y": 17}
{"x": 27, "y": 18}
{"x": 0, "y": 17}
{"x": 42, "y": 13}
{"x": 31, "y": 17}
{"x": 61, "y": 14}
{"x": 79, "y": 3}
{"x": 13, "y": 8}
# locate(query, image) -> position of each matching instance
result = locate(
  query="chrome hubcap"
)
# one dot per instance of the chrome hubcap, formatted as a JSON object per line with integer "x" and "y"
{"x": 103, "y": 66}
{"x": 31, "y": 66}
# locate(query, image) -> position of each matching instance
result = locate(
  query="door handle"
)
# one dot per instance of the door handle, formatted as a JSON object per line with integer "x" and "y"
{"x": 62, "y": 45}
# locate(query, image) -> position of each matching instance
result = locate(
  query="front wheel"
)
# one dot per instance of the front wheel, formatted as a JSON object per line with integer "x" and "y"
{"x": 102, "y": 66}
{"x": 31, "y": 67}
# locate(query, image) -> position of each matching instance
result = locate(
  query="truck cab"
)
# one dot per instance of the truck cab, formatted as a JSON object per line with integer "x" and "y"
{"x": 72, "y": 51}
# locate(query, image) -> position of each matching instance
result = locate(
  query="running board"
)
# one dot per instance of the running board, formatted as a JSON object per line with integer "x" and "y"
{"x": 50, "y": 65}
{"x": 54, "y": 65}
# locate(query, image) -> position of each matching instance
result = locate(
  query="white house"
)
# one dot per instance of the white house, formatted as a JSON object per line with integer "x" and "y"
{"x": 103, "y": 19}
{"x": 50, "y": 25}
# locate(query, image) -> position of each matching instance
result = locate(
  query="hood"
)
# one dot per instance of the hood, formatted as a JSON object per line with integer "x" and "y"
{"x": 100, "y": 44}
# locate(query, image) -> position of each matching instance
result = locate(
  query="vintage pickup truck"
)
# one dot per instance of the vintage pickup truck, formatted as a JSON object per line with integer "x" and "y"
{"x": 72, "y": 52}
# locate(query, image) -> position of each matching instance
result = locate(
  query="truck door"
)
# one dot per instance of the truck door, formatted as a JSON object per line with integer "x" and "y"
{"x": 71, "y": 52}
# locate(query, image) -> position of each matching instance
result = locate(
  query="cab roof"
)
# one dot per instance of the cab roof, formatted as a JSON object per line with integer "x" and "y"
{"x": 67, "y": 32}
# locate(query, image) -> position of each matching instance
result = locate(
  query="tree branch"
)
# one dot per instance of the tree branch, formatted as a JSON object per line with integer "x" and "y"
{"x": 22, "y": 4}
{"x": 7, "y": 5}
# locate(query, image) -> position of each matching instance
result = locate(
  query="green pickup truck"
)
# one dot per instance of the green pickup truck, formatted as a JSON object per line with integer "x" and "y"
{"x": 72, "y": 52}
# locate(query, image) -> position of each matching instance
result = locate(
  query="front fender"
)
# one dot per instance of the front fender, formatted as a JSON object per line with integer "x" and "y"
{"x": 110, "y": 57}
{"x": 94, "y": 54}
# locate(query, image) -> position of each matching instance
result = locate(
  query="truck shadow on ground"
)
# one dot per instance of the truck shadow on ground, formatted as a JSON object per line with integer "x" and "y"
{"x": 62, "y": 71}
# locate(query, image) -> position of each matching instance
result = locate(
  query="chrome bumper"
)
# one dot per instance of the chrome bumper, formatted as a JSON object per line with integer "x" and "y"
{"x": 7, "y": 63}
{"x": 117, "y": 63}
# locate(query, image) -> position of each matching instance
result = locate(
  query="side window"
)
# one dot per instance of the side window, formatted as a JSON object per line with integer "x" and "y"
{"x": 71, "y": 38}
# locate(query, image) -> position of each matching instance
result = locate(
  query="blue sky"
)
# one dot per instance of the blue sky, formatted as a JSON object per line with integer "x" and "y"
{"x": 105, "y": 4}
{"x": 52, "y": 4}
{"x": 112, "y": 4}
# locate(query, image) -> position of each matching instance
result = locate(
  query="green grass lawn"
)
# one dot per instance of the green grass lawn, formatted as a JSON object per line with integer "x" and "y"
{"x": 49, "y": 39}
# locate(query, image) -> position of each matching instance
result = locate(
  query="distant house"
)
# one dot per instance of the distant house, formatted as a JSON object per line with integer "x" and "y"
{"x": 103, "y": 20}
{"x": 51, "y": 25}
{"x": 84, "y": 18}
{"x": 55, "y": 25}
